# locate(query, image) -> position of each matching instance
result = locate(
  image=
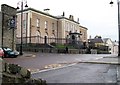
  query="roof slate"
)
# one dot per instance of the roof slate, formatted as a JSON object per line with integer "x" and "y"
{"x": 96, "y": 40}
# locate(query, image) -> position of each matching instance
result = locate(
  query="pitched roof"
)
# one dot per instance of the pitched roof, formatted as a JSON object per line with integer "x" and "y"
{"x": 115, "y": 43}
{"x": 96, "y": 40}
{"x": 106, "y": 39}
{"x": 56, "y": 17}
{"x": 37, "y": 12}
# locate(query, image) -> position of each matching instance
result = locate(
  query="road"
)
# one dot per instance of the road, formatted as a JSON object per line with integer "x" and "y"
{"x": 75, "y": 73}
{"x": 41, "y": 60}
{"x": 80, "y": 73}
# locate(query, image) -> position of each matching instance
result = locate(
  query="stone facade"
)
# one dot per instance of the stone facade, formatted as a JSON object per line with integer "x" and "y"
{"x": 108, "y": 42}
{"x": 83, "y": 31}
{"x": 36, "y": 24}
{"x": 115, "y": 47}
{"x": 41, "y": 24}
{"x": 8, "y": 34}
{"x": 0, "y": 29}
{"x": 112, "y": 45}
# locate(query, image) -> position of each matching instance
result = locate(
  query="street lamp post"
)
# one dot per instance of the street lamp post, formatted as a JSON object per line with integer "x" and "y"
{"x": 118, "y": 2}
{"x": 21, "y": 53}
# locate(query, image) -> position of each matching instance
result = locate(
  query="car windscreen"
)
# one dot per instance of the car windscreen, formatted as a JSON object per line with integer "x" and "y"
{"x": 7, "y": 49}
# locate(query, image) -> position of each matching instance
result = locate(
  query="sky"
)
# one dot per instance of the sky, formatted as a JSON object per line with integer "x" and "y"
{"x": 97, "y": 15}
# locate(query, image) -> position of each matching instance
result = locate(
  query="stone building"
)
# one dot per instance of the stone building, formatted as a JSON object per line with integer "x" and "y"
{"x": 83, "y": 31}
{"x": 108, "y": 42}
{"x": 115, "y": 47}
{"x": 38, "y": 25}
{"x": 0, "y": 29}
{"x": 7, "y": 33}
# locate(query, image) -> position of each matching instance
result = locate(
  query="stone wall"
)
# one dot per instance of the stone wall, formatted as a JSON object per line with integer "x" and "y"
{"x": 12, "y": 74}
{"x": 52, "y": 50}
{"x": 8, "y": 34}
{"x": 0, "y": 71}
{"x": 0, "y": 29}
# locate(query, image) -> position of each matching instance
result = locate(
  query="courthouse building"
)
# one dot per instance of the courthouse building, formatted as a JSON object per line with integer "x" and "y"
{"x": 38, "y": 25}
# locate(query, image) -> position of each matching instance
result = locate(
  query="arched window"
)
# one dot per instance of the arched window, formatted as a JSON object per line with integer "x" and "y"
{"x": 38, "y": 37}
{"x": 46, "y": 34}
{"x": 52, "y": 38}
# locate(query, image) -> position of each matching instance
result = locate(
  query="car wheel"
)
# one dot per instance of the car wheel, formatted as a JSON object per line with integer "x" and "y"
{"x": 2, "y": 56}
{"x": 15, "y": 56}
{"x": 12, "y": 56}
{"x": 7, "y": 55}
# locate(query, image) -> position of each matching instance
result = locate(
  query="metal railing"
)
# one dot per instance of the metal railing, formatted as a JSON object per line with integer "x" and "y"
{"x": 42, "y": 40}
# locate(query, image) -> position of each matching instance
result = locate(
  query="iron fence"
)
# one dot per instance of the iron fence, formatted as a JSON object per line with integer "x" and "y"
{"x": 42, "y": 40}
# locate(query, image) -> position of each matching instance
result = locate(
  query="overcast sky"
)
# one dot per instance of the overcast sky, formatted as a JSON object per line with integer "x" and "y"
{"x": 97, "y": 15}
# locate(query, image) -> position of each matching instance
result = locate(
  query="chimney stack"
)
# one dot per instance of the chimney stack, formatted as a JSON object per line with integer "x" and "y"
{"x": 90, "y": 37}
{"x": 71, "y": 17}
{"x": 78, "y": 20}
{"x": 46, "y": 10}
{"x": 63, "y": 14}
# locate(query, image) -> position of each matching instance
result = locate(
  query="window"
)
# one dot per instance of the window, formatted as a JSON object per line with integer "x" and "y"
{"x": 84, "y": 36}
{"x": 24, "y": 24}
{"x": 75, "y": 28}
{"x": 76, "y": 31}
{"x": 46, "y": 24}
{"x": 53, "y": 26}
{"x": 72, "y": 28}
{"x": 67, "y": 26}
{"x": 38, "y": 37}
{"x": 38, "y": 23}
{"x": 80, "y": 32}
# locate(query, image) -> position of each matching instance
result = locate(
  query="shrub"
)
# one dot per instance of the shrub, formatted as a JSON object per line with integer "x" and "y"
{"x": 60, "y": 46}
{"x": 53, "y": 43}
{"x": 14, "y": 68}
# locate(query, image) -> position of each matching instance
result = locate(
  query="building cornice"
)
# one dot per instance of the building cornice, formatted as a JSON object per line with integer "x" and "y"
{"x": 62, "y": 17}
{"x": 32, "y": 9}
{"x": 37, "y": 12}
{"x": 83, "y": 27}
{"x": 8, "y": 6}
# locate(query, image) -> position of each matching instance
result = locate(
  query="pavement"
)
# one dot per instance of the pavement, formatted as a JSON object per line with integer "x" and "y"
{"x": 114, "y": 60}
{"x": 105, "y": 60}
{"x": 118, "y": 74}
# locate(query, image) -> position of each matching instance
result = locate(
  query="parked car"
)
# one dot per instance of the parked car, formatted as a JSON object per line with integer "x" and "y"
{"x": 9, "y": 52}
{"x": 1, "y": 52}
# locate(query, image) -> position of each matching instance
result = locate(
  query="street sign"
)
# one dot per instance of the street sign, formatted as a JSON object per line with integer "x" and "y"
{"x": 12, "y": 23}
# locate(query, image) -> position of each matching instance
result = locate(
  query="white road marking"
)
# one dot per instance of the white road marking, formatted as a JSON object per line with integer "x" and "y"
{"x": 53, "y": 68}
